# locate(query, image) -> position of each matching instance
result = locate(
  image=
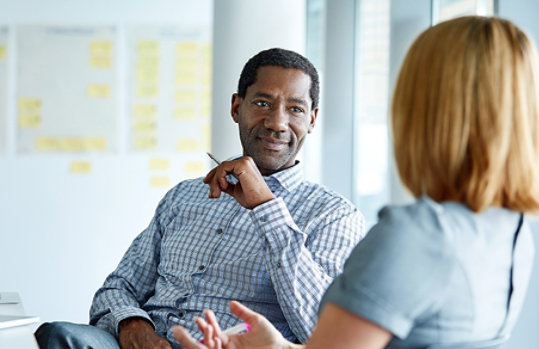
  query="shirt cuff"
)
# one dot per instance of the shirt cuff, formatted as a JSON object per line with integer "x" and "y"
{"x": 129, "y": 312}
{"x": 270, "y": 218}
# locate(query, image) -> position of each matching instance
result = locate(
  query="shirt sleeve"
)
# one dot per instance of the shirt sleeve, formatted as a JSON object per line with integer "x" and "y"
{"x": 133, "y": 281}
{"x": 397, "y": 273}
{"x": 301, "y": 266}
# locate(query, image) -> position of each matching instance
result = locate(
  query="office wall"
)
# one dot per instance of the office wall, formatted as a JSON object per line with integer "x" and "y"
{"x": 61, "y": 233}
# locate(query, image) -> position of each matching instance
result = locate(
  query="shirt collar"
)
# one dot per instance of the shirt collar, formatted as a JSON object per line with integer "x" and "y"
{"x": 288, "y": 178}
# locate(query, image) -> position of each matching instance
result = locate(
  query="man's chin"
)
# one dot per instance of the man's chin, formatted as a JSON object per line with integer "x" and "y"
{"x": 269, "y": 167}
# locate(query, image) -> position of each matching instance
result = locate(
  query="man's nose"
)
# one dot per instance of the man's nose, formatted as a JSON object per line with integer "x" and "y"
{"x": 277, "y": 120}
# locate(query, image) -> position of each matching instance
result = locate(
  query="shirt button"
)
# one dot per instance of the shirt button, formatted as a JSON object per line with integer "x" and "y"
{"x": 181, "y": 314}
{"x": 278, "y": 264}
{"x": 219, "y": 231}
{"x": 171, "y": 317}
{"x": 264, "y": 218}
{"x": 202, "y": 267}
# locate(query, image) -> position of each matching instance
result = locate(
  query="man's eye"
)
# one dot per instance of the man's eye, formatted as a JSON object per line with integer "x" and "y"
{"x": 262, "y": 104}
{"x": 297, "y": 110}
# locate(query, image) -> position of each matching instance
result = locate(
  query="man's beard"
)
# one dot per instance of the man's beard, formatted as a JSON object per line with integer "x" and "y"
{"x": 263, "y": 157}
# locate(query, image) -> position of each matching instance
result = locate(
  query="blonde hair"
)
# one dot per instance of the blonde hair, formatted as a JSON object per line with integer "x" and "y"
{"x": 465, "y": 115}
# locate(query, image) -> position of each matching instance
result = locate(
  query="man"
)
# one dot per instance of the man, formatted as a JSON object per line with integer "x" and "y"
{"x": 273, "y": 241}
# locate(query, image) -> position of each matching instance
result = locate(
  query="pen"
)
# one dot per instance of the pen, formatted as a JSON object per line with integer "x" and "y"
{"x": 240, "y": 328}
{"x": 219, "y": 163}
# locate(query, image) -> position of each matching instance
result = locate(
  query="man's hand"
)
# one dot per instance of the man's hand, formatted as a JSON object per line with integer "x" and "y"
{"x": 134, "y": 333}
{"x": 262, "y": 334}
{"x": 251, "y": 189}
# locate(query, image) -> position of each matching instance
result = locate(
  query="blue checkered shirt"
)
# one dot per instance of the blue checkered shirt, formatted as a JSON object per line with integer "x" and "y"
{"x": 200, "y": 253}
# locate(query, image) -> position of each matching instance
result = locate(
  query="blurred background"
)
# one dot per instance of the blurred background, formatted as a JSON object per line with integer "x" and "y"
{"x": 105, "y": 105}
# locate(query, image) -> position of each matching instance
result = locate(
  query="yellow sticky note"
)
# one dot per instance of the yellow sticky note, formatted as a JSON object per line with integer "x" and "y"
{"x": 159, "y": 181}
{"x": 71, "y": 144}
{"x": 46, "y": 144}
{"x": 187, "y": 48}
{"x": 185, "y": 78}
{"x": 147, "y": 90}
{"x": 184, "y": 113}
{"x": 194, "y": 168}
{"x": 100, "y": 47}
{"x": 186, "y": 96}
{"x": 145, "y": 110}
{"x": 148, "y": 80}
{"x": 2, "y": 51}
{"x": 30, "y": 104}
{"x": 187, "y": 144}
{"x": 145, "y": 143}
{"x": 100, "y": 61}
{"x": 147, "y": 46}
{"x": 206, "y": 51}
{"x": 147, "y": 62}
{"x": 187, "y": 64}
{"x": 159, "y": 164}
{"x": 29, "y": 121}
{"x": 80, "y": 167}
{"x": 147, "y": 73}
{"x": 95, "y": 143}
{"x": 142, "y": 126}
{"x": 98, "y": 90}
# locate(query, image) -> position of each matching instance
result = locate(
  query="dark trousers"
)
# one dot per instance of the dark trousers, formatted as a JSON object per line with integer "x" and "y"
{"x": 67, "y": 335}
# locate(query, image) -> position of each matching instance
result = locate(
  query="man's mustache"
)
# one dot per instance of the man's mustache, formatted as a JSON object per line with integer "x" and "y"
{"x": 279, "y": 136}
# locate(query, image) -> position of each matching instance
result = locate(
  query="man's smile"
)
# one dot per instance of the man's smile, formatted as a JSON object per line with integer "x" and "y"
{"x": 273, "y": 143}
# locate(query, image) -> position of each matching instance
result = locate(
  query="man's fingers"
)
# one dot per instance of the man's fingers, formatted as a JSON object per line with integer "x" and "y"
{"x": 217, "y": 181}
{"x": 209, "y": 176}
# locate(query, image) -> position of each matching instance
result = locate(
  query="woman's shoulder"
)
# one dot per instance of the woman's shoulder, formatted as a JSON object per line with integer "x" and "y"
{"x": 414, "y": 225}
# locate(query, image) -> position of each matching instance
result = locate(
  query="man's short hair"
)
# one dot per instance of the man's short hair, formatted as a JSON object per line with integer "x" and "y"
{"x": 281, "y": 58}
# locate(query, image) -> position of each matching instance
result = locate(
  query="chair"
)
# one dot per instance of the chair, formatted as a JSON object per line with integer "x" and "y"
{"x": 20, "y": 337}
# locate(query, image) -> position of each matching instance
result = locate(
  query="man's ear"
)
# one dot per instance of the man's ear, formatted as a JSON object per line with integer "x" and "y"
{"x": 235, "y": 106}
{"x": 314, "y": 115}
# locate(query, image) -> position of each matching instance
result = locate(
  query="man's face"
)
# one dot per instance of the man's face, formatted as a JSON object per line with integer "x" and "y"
{"x": 274, "y": 117}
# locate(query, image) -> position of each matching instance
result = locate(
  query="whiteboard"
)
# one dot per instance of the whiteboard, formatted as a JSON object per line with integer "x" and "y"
{"x": 66, "y": 88}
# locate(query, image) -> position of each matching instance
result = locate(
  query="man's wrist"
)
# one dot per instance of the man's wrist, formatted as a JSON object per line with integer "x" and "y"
{"x": 135, "y": 322}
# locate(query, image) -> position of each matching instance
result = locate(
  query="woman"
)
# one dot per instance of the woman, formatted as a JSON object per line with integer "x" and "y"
{"x": 453, "y": 266}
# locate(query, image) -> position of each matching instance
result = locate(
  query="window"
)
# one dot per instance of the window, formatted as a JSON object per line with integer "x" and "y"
{"x": 443, "y": 10}
{"x": 371, "y": 189}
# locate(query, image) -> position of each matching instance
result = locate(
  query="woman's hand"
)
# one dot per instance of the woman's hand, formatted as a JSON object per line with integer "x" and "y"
{"x": 262, "y": 334}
